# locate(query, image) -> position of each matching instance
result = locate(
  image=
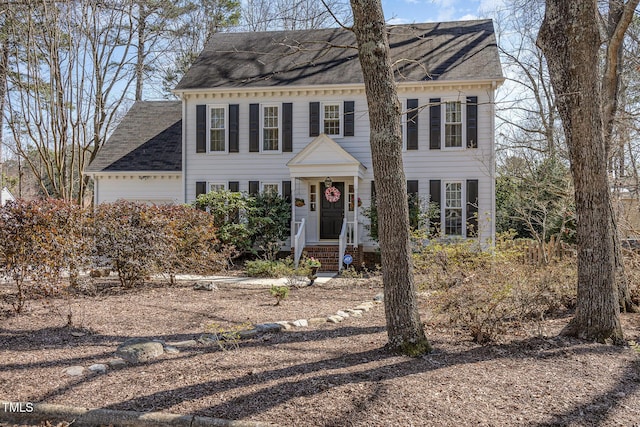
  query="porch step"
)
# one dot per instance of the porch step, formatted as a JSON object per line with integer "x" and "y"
{"x": 326, "y": 254}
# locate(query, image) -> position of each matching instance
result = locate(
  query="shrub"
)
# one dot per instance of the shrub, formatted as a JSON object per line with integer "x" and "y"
{"x": 229, "y": 211}
{"x": 267, "y": 268}
{"x": 250, "y": 223}
{"x": 131, "y": 237}
{"x": 279, "y": 293}
{"x": 39, "y": 241}
{"x": 191, "y": 242}
{"x": 269, "y": 220}
{"x": 485, "y": 293}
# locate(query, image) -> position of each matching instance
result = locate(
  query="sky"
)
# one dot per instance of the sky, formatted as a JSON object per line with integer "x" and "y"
{"x": 413, "y": 11}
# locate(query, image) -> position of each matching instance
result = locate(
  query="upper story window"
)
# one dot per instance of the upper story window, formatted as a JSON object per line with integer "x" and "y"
{"x": 453, "y": 124}
{"x": 271, "y": 128}
{"x": 217, "y": 128}
{"x": 331, "y": 119}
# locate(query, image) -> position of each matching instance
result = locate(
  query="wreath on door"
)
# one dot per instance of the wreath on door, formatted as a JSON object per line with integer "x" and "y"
{"x": 332, "y": 194}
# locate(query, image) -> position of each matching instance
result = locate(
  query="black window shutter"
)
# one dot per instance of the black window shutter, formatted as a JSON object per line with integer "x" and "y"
{"x": 349, "y": 118}
{"x": 287, "y": 127}
{"x": 201, "y": 188}
{"x": 434, "y": 199}
{"x": 201, "y": 128}
{"x": 414, "y": 205}
{"x": 434, "y": 123}
{"x": 254, "y": 128}
{"x": 254, "y": 188}
{"x": 472, "y": 207}
{"x": 412, "y": 124}
{"x": 234, "y": 186}
{"x": 234, "y": 128}
{"x": 373, "y": 191}
{"x": 314, "y": 118}
{"x": 472, "y": 121}
{"x": 412, "y": 187}
{"x": 286, "y": 190}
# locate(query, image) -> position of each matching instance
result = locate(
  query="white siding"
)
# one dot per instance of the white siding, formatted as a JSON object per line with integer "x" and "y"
{"x": 141, "y": 188}
{"x": 422, "y": 164}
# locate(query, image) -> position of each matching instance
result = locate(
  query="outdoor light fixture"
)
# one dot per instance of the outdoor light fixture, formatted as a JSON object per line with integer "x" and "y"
{"x": 328, "y": 182}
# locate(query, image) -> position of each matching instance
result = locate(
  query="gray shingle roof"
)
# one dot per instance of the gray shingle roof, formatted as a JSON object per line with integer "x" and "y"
{"x": 464, "y": 50}
{"x": 149, "y": 138}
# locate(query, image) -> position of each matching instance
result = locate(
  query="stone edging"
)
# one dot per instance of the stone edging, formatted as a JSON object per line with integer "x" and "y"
{"x": 43, "y": 412}
{"x": 78, "y": 416}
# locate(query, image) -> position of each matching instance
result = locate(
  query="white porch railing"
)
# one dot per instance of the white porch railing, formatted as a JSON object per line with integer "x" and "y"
{"x": 347, "y": 238}
{"x": 299, "y": 240}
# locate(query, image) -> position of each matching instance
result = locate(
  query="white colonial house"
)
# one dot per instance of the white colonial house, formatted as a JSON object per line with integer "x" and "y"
{"x": 286, "y": 111}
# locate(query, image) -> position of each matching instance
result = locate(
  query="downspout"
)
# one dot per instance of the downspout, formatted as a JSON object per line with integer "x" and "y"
{"x": 184, "y": 150}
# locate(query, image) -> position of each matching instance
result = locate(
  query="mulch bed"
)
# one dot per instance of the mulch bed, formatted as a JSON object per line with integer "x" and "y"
{"x": 326, "y": 375}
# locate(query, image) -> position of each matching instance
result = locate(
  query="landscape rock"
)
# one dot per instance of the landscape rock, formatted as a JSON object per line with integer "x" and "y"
{"x": 138, "y": 350}
{"x": 269, "y": 327}
{"x": 301, "y": 323}
{"x": 363, "y": 307}
{"x": 75, "y": 371}
{"x": 335, "y": 318}
{"x": 208, "y": 339}
{"x": 187, "y": 343}
{"x": 285, "y": 325}
{"x": 343, "y": 314}
{"x": 354, "y": 313}
{"x": 248, "y": 333}
{"x": 205, "y": 285}
{"x": 169, "y": 349}
{"x": 98, "y": 368}
{"x": 317, "y": 320}
{"x": 116, "y": 363}
{"x": 379, "y": 297}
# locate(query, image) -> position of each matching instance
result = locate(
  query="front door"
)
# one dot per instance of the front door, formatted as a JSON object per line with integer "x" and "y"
{"x": 331, "y": 213}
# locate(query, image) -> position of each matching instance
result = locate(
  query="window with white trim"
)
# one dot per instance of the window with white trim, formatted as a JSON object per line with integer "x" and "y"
{"x": 453, "y": 212}
{"x": 214, "y": 186}
{"x": 332, "y": 118}
{"x": 271, "y": 134}
{"x": 453, "y": 124}
{"x": 271, "y": 188}
{"x": 217, "y": 128}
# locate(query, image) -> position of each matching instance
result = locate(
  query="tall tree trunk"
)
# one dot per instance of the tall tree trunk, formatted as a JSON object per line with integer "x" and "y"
{"x": 404, "y": 329}
{"x": 619, "y": 19}
{"x": 4, "y": 61}
{"x": 570, "y": 41}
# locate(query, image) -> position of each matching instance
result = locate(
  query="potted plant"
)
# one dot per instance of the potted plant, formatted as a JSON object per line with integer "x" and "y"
{"x": 299, "y": 202}
{"x": 314, "y": 265}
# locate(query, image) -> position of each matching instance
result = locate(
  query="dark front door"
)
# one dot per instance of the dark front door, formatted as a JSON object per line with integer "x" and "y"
{"x": 331, "y": 214}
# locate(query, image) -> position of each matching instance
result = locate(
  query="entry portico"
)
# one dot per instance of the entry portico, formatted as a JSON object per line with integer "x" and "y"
{"x": 324, "y": 164}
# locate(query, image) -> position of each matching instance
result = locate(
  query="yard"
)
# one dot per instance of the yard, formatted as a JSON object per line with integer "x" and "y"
{"x": 324, "y": 374}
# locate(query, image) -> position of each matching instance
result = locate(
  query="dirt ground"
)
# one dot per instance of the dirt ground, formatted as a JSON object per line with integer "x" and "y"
{"x": 322, "y": 375}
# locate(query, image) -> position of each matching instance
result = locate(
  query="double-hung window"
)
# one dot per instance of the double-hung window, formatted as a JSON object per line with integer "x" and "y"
{"x": 269, "y": 188}
{"x": 331, "y": 119}
{"x": 216, "y": 187}
{"x": 453, "y": 124}
{"x": 271, "y": 128}
{"x": 217, "y": 129}
{"x": 453, "y": 214}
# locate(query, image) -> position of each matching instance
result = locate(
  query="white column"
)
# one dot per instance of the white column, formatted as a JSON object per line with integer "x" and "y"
{"x": 355, "y": 210}
{"x": 293, "y": 210}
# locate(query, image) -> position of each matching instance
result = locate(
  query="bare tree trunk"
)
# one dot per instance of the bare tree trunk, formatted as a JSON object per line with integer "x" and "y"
{"x": 404, "y": 329}
{"x": 570, "y": 41}
{"x": 619, "y": 19}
